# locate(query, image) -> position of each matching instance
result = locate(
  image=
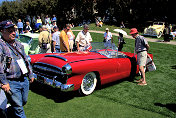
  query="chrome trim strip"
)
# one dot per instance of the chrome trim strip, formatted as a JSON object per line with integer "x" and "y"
{"x": 148, "y": 35}
{"x": 54, "y": 83}
{"x": 55, "y": 56}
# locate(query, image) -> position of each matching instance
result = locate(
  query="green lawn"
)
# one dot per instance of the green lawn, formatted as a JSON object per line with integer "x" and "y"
{"x": 121, "y": 99}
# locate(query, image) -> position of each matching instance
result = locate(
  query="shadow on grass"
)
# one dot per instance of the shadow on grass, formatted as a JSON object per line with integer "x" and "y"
{"x": 173, "y": 67}
{"x": 52, "y": 93}
{"x": 169, "y": 106}
{"x": 59, "y": 96}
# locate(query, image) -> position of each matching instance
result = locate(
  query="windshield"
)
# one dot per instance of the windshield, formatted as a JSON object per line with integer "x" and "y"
{"x": 34, "y": 44}
{"x": 111, "y": 51}
{"x": 25, "y": 39}
{"x": 96, "y": 46}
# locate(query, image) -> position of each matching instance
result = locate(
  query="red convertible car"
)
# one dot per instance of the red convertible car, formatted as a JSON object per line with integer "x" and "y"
{"x": 83, "y": 71}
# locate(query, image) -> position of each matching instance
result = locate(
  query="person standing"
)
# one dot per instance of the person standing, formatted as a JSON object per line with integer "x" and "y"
{"x": 47, "y": 20}
{"x": 108, "y": 39}
{"x": 56, "y": 40}
{"x": 15, "y": 69}
{"x": 83, "y": 39}
{"x": 120, "y": 42}
{"x": 64, "y": 45}
{"x": 141, "y": 48}
{"x": 54, "y": 19}
{"x": 166, "y": 33}
{"x": 71, "y": 38}
{"x": 20, "y": 26}
{"x": 28, "y": 27}
{"x": 45, "y": 40}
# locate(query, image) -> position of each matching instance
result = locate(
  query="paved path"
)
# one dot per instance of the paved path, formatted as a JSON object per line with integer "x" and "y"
{"x": 130, "y": 37}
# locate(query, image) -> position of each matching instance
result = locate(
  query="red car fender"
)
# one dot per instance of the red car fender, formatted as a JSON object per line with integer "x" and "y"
{"x": 76, "y": 80}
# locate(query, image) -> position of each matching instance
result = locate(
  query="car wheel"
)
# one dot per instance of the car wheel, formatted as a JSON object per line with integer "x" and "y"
{"x": 159, "y": 35}
{"x": 89, "y": 83}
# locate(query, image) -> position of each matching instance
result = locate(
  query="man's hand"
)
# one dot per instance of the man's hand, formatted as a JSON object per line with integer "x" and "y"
{"x": 5, "y": 87}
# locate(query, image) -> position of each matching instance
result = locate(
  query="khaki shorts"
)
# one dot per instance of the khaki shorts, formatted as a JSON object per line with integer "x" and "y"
{"x": 142, "y": 58}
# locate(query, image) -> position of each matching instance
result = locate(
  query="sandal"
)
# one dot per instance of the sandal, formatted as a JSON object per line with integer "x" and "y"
{"x": 140, "y": 80}
{"x": 142, "y": 84}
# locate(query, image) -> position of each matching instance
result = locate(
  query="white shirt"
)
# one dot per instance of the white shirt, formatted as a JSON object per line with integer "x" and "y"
{"x": 71, "y": 36}
{"x": 83, "y": 39}
{"x": 56, "y": 37}
{"x": 108, "y": 36}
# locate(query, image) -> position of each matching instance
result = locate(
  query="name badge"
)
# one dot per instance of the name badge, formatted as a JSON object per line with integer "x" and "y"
{"x": 22, "y": 66}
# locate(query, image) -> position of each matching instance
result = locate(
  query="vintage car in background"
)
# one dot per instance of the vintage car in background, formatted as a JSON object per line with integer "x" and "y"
{"x": 83, "y": 71}
{"x": 30, "y": 42}
{"x": 155, "y": 30}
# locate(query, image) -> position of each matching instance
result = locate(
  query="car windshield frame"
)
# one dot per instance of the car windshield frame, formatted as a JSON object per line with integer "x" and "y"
{"x": 110, "y": 51}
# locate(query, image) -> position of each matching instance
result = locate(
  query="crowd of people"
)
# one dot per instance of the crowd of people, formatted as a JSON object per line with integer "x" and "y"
{"x": 15, "y": 67}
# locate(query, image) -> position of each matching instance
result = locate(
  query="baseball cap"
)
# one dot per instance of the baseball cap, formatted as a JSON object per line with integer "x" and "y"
{"x": 107, "y": 28}
{"x": 6, "y": 24}
{"x": 133, "y": 31}
{"x": 86, "y": 26}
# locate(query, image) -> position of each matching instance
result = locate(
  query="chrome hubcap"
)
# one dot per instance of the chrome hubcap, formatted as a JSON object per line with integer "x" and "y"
{"x": 88, "y": 82}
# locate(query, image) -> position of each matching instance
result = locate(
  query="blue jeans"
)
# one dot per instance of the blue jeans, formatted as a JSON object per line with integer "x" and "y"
{"x": 57, "y": 48}
{"x": 19, "y": 97}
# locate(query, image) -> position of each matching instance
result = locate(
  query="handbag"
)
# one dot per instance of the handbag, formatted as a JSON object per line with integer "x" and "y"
{"x": 150, "y": 64}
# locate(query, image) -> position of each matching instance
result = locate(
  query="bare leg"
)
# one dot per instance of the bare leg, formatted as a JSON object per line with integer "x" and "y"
{"x": 141, "y": 68}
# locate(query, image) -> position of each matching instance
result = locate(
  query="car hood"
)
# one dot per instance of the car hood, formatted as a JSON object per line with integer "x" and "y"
{"x": 60, "y": 59}
{"x": 76, "y": 56}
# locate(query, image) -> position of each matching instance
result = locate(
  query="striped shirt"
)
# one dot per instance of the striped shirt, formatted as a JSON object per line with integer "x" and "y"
{"x": 140, "y": 44}
{"x": 14, "y": 70}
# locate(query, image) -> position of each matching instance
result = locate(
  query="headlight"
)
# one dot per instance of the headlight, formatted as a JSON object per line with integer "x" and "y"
{"x": 28, "y": 58}
{"x": 67, "y": 69}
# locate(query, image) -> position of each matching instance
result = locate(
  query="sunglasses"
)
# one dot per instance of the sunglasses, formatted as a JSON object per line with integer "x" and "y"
{"x": 10, "y": 30}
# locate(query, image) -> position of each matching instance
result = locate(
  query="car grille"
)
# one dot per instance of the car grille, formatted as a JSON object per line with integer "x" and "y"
{"x": 49, "y": 71}
{"x": 150, "y": 31}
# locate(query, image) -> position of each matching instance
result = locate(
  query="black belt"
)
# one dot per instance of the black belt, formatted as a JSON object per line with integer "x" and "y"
{"x": 21, "y": 79}
{"x": 141, "y": 51}
{"x": 81, "y": 46}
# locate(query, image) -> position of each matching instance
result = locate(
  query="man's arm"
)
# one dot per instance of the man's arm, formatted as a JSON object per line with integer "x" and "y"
{"x": 54, "y": 44}
{"x": 147, "y": 46}
{"x": 77, "y": 44}
{"x": 40, "y": 39}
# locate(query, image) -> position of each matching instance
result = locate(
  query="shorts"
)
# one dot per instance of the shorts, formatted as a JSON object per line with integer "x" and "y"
{"x": 142, "y": 58}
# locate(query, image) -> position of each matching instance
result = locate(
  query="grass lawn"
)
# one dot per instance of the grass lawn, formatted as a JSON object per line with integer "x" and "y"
{"x": 121, "y": 99}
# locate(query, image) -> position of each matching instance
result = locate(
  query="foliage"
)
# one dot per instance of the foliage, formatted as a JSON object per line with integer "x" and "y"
{"x": 129, "y": 11}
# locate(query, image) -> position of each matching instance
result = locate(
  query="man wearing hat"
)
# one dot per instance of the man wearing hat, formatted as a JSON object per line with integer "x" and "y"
{"x": 84, "y": 39}
{"x": 15, "y": 70}
{"x": 108, "y": 39}
{"x": 141, "y": 48}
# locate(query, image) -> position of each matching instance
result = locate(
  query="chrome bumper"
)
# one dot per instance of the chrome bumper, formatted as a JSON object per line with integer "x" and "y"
{"x": 54, "y": 83}
{"x": 150, "y": 35}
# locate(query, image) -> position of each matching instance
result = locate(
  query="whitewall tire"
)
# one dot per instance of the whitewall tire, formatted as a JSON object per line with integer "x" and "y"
{"x": 88, "y": 84}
